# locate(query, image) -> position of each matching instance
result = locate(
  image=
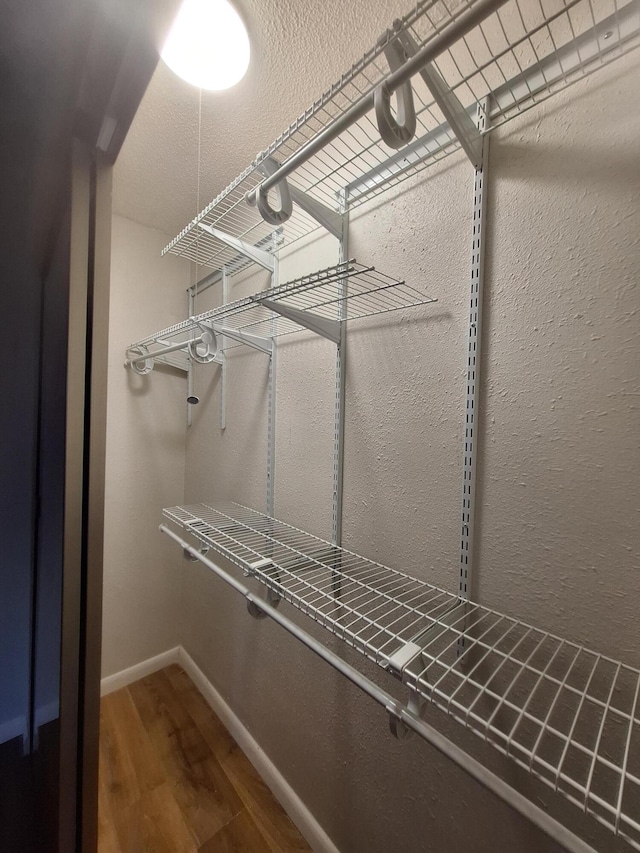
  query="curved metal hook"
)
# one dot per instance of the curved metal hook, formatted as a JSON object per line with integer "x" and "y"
{"x": 206, "y": 349}
{"x": 274, "y": 216}
{"x": 141, "y": 367}
{"x": 285, "y": 206}
{"x": 395, "y": 132}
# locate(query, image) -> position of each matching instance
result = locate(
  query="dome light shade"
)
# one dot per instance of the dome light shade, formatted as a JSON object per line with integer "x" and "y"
{"x": 208, "y": 45}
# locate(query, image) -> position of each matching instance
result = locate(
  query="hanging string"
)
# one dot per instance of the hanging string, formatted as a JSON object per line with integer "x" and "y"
{"x": 195, "y": 289}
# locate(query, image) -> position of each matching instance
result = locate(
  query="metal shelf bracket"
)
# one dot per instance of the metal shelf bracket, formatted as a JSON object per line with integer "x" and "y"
{"x": 271, "y": 596}
{"x": 255, "y": 254}
{"x": 322, "y": 326}
{"x": 416, "y": 706}
{"x": 255, "y": 341}
{"x": 454, "y": 112}
{"x": 330, "y": 220}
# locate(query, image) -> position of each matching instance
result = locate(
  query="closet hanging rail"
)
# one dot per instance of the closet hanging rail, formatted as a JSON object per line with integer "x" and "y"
{"x": 516, "y": 56}
{"x": 315, "y": 302}
{"x": 568, "y": 715}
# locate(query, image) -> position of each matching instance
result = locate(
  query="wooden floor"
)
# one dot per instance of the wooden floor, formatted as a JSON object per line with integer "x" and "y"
{"x": 173, "y": 780}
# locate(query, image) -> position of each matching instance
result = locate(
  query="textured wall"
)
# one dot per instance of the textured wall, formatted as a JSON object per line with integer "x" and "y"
{"x": 558, "y": 472}
{"x": 145, "y": 454}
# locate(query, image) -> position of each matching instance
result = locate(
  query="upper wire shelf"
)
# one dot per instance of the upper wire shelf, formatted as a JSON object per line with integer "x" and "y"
{"x": 565, "y": 713}
{"x": 516, "y": 57}
{"x": 320, "y": 302}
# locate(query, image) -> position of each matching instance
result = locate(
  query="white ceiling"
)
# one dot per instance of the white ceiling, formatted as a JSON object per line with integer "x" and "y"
{"x": 299, "y": 48}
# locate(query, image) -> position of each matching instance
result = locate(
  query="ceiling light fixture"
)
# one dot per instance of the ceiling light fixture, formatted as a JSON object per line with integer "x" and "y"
{"x": 208, "y": 45}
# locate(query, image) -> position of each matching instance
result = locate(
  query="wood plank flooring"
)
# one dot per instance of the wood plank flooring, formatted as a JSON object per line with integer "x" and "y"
{"x": 173, "y": 780}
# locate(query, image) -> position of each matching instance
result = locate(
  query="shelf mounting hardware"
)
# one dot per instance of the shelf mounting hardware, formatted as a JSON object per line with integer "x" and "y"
{"x": 460, "y": 122}
{"x": 204, "y": 349}
{"x": 141, "y": 365}
{"x": 474, "y": 365}
{"x": 271, "y": 597}
{"x": 340, "y": 385}
{"x": 259, "y": 256}
{"x": 255, "y": 341}
{"x": 320, "y": 325}
{"x": 190, "y": 557}
{"x": 271, "y": 398}
{"x": 416, "y": 705}
{"x": 223, "y": 373}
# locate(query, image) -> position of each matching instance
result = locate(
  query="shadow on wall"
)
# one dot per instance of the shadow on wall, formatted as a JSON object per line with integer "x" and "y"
{"x": 551, "y": 165}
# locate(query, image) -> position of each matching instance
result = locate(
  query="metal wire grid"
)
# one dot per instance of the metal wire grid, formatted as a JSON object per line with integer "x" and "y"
{"x": 369, "y": 292}
{"x": 230, "y": 212}
{"x": 520, "y": 55}
{"x": 568, "y": 715}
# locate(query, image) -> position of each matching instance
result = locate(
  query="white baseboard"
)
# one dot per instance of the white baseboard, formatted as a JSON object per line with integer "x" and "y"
{"x": 316, "y": 837}
{"x": 140, "y": 670}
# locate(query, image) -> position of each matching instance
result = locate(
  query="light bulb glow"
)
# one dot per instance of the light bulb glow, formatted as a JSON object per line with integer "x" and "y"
{"x": 208, "y": 45}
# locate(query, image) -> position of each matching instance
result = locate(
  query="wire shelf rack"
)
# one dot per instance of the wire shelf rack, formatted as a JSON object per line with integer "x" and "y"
{"x": 518, "y": 56}
{"x": 567, "y": 714}
{"x": 347, "y": 291}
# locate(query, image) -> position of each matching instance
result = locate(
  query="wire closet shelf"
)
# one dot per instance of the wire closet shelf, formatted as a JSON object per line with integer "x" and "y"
{"x": 565, "y": 713}
{"x": 347, "y": 291}
{"x": 518, "y": 56}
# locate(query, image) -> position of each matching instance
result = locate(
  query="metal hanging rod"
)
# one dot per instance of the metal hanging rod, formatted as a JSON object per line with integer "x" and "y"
{"x": 568, "y": 715}
{"x": 398, "y": 713}
{"x": 162, "y": 350}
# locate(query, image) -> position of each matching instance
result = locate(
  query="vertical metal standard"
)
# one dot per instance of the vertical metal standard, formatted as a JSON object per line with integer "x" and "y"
{"x": 473, "y": 361}
{"x": 191, "y": 308}
{"x": 341, "y": 371}
{"x": 271, "y": 410}
{"x": 223, "y": 366}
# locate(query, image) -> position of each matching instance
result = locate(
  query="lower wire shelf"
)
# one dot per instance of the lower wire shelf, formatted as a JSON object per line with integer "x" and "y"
{"x": 568, "y": 715}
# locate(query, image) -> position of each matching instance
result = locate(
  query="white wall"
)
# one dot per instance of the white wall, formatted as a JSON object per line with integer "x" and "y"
{"x": 557, "y": 542}
{"x": 145, "y": 458}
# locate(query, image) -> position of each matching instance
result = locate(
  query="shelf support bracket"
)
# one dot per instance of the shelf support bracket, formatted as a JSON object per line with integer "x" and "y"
{"x": 322, "y": 326}
{"x": 255, "y": 341}
{"x": 255, "y": 254}
{"x": 329, "y": 219}
{"x": 416, "y": 705}
{"x": 272, "y": 596}
{"x": 460, "y": 122}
